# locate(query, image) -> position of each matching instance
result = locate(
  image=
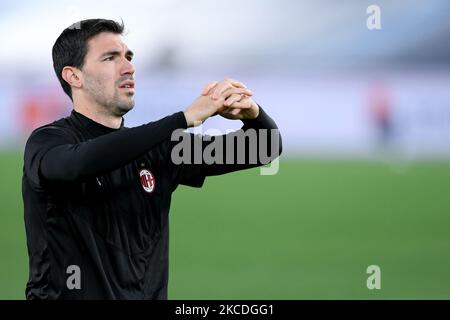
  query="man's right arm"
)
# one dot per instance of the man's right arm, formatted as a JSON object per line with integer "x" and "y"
{"x": 51, "y": 154}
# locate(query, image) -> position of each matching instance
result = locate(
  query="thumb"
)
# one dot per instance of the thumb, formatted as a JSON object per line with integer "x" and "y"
{"x": 208, "y": 87}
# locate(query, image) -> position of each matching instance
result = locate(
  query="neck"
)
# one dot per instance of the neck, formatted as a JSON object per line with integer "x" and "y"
{"x": 98, "y": 114}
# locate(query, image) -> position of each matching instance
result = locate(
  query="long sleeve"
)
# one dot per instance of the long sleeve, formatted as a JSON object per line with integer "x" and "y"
{"x": 52, "y": 155}
{"x": 258, "y": 149}
{"x": 257, "y": 143}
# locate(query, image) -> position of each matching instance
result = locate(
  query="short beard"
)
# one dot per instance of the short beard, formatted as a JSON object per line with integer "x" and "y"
{"x": 112, "y": 105}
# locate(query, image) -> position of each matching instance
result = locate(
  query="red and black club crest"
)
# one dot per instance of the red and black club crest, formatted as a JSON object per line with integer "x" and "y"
{"x": 147, "y": 180}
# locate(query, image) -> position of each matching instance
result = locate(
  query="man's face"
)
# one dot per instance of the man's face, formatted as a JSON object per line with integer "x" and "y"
{"x": 108, "y": 74}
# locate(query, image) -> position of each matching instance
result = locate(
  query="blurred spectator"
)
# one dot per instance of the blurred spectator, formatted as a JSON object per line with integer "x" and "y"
{"x": 380, "y": 112}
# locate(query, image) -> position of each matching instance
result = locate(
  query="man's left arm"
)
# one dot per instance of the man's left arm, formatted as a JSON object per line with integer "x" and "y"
{"x": 257, "y": 143}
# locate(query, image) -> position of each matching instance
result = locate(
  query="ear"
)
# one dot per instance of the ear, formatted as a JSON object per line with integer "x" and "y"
{"x": 72, "y": 76}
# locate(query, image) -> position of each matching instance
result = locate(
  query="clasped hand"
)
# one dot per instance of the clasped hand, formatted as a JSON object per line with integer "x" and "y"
{"x": 229, "y": 98}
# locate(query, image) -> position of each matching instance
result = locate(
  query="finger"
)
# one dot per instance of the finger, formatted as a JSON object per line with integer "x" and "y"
{"x": 243, "y": 104}
{"x": 227, "y": 83}
{"x": 232, "y": 90}
{"x": 221, "y": 86}
{"x": 232, "y": 99}
{"x": 236, "y": 83}
{"x": 235, "y": 112}
{"x": 208, "y": 87}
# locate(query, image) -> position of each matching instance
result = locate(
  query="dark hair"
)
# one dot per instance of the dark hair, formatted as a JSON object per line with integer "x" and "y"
{"x": 71, "y": 46}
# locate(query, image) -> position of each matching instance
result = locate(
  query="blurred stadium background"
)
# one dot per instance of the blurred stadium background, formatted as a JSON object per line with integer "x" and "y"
{"x": 365, "y": 117}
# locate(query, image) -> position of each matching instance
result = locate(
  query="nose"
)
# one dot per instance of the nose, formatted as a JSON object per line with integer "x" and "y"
{"x": 127, "y": 67}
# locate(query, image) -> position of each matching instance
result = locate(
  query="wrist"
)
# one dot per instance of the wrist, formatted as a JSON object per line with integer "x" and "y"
{"x": 189, "y": 120}
{"x": 254, "y": 111}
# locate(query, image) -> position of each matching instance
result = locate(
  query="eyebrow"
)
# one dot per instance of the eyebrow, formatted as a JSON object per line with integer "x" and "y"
{"x": 129, "y": 53}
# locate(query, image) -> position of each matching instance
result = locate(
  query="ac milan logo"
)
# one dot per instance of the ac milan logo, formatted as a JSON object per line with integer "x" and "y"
{"x": 147, "y": 180}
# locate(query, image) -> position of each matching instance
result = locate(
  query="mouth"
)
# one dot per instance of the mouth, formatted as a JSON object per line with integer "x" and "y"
{"x": 127, "y": 85}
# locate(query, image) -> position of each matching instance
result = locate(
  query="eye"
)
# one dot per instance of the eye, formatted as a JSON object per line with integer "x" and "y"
{"x": 110, "y": 58}
{"x": 129, "y": 58}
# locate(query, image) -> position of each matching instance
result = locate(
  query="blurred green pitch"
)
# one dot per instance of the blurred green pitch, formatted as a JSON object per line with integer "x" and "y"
{"x": 309, "y": 232}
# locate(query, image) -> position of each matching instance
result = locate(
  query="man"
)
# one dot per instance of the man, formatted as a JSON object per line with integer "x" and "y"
{"x": 96, "y": 194}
